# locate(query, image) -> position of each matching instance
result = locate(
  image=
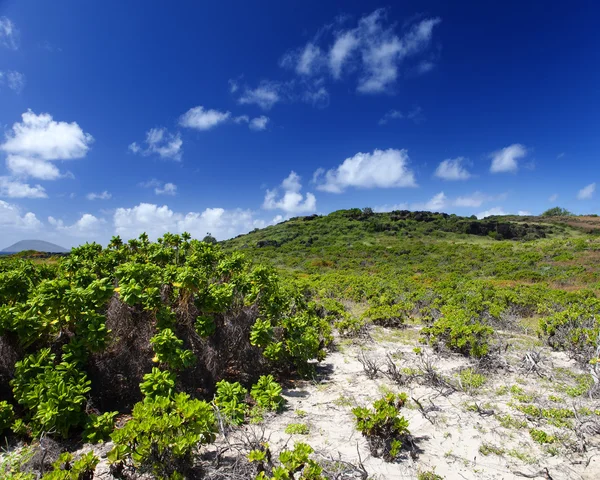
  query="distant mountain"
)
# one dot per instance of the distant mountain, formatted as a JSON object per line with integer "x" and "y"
{"x": 37, "y": 245}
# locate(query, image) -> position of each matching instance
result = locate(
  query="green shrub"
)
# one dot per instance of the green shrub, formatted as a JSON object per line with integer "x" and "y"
{"x": 230, "y": 399}
{"x": 387, "y": 315}
{"x": 7, "y": 415}
{"x": 158, "y": 383}
{"x": 294, "y": 463}
{"x": 163, "y": 433}
{"x": 459, "y": 332}
{"x": 64, "y": 468}
{"x": 99, "y": 427}
{"x": 541, "y": 437}
{"x": 471, "y": 380}
{"x": 168, "y": 350}
{"x": 53, "y": 394}
{"x": 267, "y": 393}
{"x": 297, "y": 429}
{"x": 384, "y": 428}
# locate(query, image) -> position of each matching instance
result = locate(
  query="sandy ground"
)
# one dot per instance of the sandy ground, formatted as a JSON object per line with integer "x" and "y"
{"x": 454, "y": 440}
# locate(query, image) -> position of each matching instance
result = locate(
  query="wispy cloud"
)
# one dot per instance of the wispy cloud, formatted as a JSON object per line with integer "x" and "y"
{"x": 587, "y": 192}
{"x": 160, "y": 142}
{"x": 265, "y": 95}
{"x": 9, "y": 35}
{"x": 99, "y": 196}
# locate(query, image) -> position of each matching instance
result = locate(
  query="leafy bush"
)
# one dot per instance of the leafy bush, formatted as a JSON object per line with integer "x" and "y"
{"x": 99, "y": 427}
{"x": 297, "y": 429}
{"x": 384, "y": 428}
{"x": 459, "y": 332}
{"x": 471, "y": 380}
{"x": 541, "y": 437}
{"x": 53, "y": 394}
{"x": 267, "y": 393}
{"x": 7, "y": 415}
{"x": 294, "y": 463}
{"x": 163, "y": 433}
{"x": 387, "y": 315}
{"x": 168, "y": 350}
{"x": 557, "y": 212}
{"x": 158, "y": 383}
{"x": 64, "y": 468}
{"x": 230, "y": 401}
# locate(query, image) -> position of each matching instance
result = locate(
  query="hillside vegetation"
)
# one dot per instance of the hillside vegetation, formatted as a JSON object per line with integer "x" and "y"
{"x": 194, "y": 360}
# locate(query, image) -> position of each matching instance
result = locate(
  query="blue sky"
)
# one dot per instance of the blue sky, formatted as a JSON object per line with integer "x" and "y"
{"x": 123, "y": 117}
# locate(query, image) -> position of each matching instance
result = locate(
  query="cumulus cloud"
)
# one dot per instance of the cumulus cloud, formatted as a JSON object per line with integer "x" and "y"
{"x": 265, "y": 95}
{"x": 292, "y": 201}
{"x": 32, "y": 144}
{"x": 452, "y": 169}
{"x": 380, "y": 169}
{"x": 374, "y": 49}
{"x": 9, "y": 35}
{"x": 99, "y": 196}
{"x": 156, "y": 220}
{"x": 10, "y": 217}
{"x": 587, "y": 192}
{"x": 87, "y": 226}
{"x": 12, "y": 188}
{"x": 199, "y": 118}
{"x": 435, "y": 204}
{"x": 506, "y": 160}
{"x": 160, "y": 142}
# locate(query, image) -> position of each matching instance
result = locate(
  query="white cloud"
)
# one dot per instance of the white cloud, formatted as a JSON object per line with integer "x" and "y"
{"x": 86, "y": 227}
{"x": 265, "y": 95}
{"x": 491, "y": 211}
{"x": 38, "y": 140}
{"x": 167, "y": 189}
{"x": 343, "y": 47}
{"x": 391, "y": 115}
{"x": 391, "y": 208}
{"x": 14, "y": 80}
{"x": 475, "y": 199}
{"x": 10, "y": 216}
{"x": 156, "y": 220}
{"x": 553, "y": 197}
{"x": 435, "y": 204}
{"x": 9, "y": 35}
{"x": 241, "y": 119}
{"x": 524, "y": 213}
{"x": 259, "y": 123}
{"x": 12, "y": 188}
{"x": 160, "y": 142}
{"x": 160, "y": 188}
{"x": 292, "y": 200}
{"x": 452, "y": 169}
{"x": 233, "y": 85}
{"x": 31, "y": 167}
{"x": 306, "y": 61}
{"x": 586, "y": 192}
{"x": 505, "y": 160}
{"x": 383, "y": 51}
{"x": 317, "y": 95}
{"x": 373, "y": 49}
{"x": 39, "y": 136}
{"x": 380, "y": 169}
{"x": 200, "y": 119}
{"x": 99, "y": 196}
